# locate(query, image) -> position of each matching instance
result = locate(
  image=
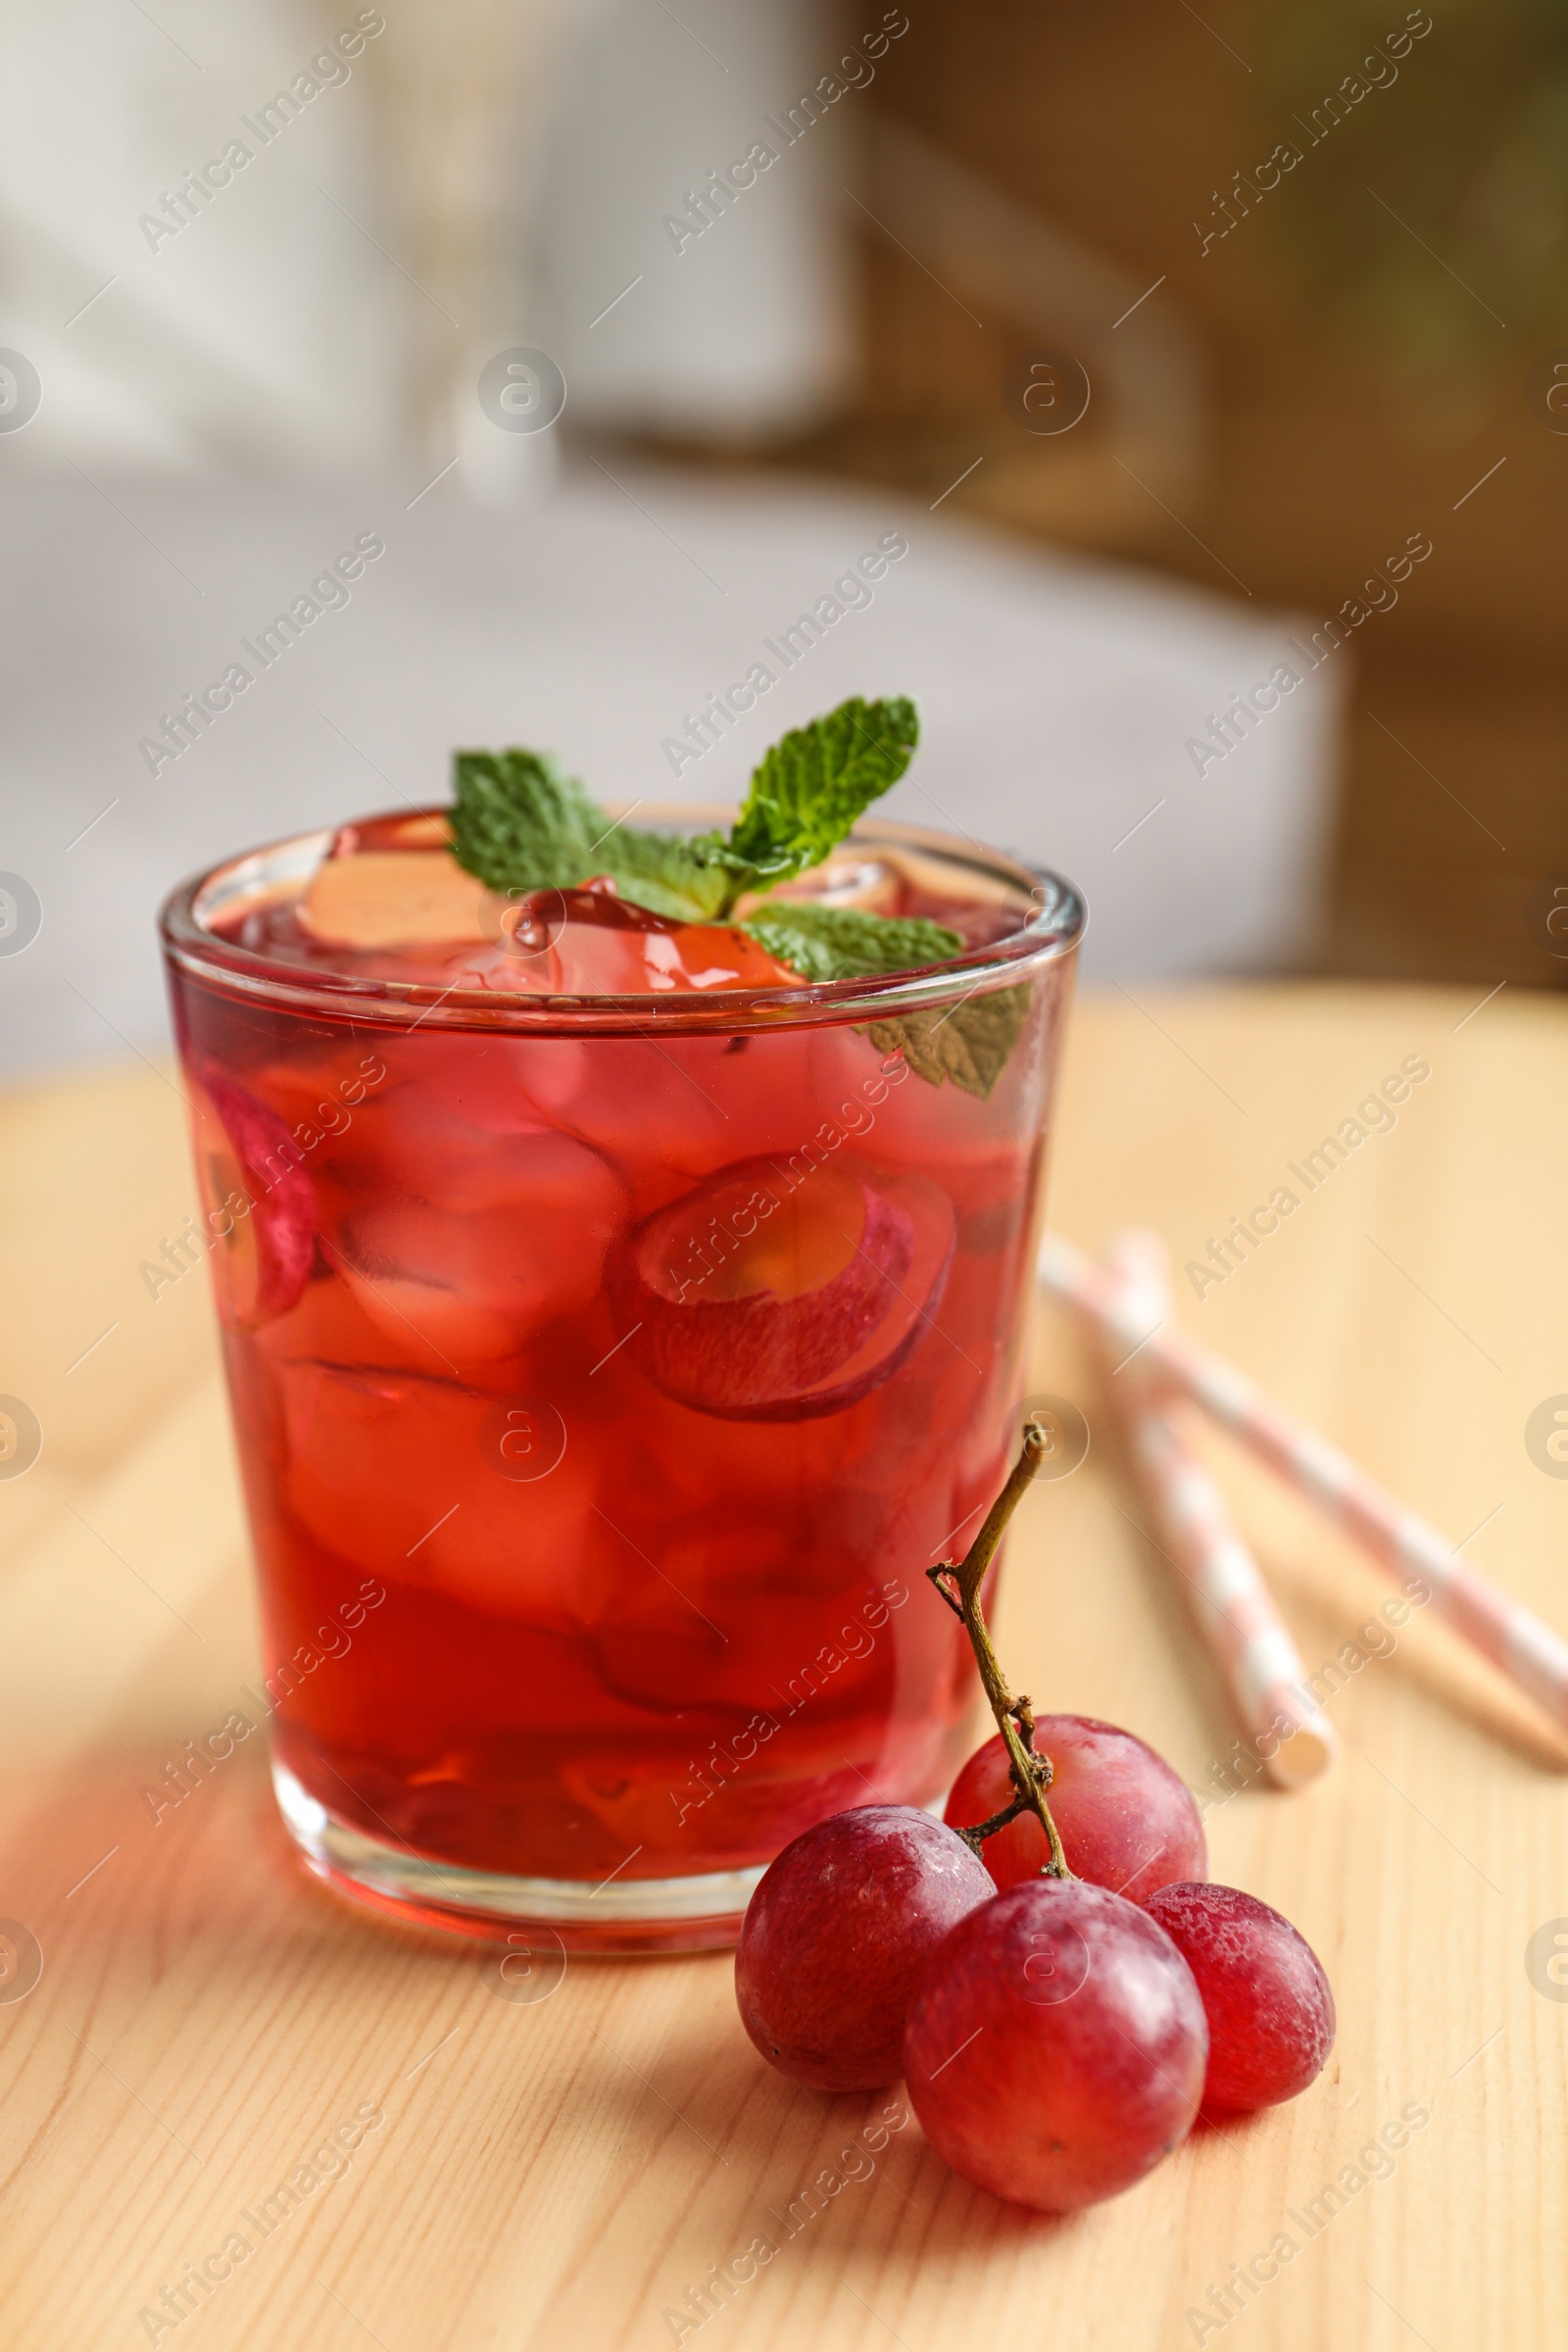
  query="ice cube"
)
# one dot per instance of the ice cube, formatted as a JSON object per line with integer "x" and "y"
{"x": 394, "y": 1474}
{"x": 395, "y": 899}
{"x": 593, "y": 943}
{"x": 489, "y": 1278}
{"x": 873, "y": 884}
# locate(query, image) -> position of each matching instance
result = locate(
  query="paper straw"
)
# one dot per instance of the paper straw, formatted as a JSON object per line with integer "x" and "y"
{"x": 1516, "y": 1641}
{"x": 1235, "y": 1609}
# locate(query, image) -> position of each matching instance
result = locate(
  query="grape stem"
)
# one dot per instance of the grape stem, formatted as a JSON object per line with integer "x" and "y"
{"x": 959, "y": 1586}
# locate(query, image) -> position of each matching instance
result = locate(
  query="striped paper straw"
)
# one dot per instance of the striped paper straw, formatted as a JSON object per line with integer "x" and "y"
{"x": 1517, "y": 1641}
{"x": 1236, "y": 1612}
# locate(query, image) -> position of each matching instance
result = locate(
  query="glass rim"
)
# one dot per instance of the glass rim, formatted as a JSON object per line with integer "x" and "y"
{"x": 1052, "y": 930}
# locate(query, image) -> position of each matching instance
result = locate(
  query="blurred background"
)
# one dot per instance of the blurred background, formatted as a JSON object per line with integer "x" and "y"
{"x": 1179, "y": 351}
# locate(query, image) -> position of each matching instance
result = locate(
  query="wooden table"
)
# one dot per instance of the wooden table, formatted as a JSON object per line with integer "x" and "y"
{"x": 557, "y": 2174}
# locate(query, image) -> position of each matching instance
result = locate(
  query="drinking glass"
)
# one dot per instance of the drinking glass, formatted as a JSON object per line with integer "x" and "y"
{"x": 606, "y": 1373}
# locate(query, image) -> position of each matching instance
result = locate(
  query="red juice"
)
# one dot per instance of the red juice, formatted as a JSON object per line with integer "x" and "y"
{"x": 617, "y": 1329}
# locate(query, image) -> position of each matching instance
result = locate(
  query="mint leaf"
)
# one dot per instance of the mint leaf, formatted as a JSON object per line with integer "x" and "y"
{"x": 969, "y": 1043}
{"x": 812, "y": 786}
{"x": 658, "y": 870}
{"x": 519, "y": 815}
{"x": 520, "y": 823}
{"x": 842, "y": 943}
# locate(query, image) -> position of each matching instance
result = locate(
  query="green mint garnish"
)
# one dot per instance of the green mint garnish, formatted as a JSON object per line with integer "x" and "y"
{"x": 844, "y": 942}
{"x": 812, "y": 786}
{"x": 968, "y": 1042}
{"x": 521, "y": 823}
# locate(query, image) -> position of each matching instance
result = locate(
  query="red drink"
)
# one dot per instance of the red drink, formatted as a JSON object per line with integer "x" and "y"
{"x": 608, "y": 1367}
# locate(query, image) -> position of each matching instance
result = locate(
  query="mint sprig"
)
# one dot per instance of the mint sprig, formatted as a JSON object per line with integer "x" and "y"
{"x": 845, "y": 943}
{"x": 811, "y": 787}
{"x": 521, "y": 823}
{"x": 969, "y": 1044}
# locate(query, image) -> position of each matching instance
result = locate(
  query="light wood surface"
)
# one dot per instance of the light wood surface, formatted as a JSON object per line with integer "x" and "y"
{"x": 557, "y": 2174}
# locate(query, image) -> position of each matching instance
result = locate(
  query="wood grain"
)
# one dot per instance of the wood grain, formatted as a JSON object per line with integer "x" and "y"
{"x": 559, "y": 2174}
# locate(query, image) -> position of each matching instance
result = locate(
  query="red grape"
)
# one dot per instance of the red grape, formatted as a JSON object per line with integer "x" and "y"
{"x": 1056, "y": 2049}
{"x": 758, "y": 1305}
{"x": 837, "y": 1937}
{"x": 1269, "y": 2005}
{"x": 1126, "y": 1820}
{"x": 245, "y": 1155}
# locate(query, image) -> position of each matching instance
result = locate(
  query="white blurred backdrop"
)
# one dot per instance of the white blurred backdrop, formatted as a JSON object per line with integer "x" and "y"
{"x": 288, "y": 358}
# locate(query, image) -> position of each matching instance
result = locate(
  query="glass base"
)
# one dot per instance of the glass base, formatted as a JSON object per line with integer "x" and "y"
{"x": 698, "y": 1914}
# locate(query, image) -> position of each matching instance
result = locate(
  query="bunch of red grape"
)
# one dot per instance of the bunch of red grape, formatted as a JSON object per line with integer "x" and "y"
{"x": 1058, "y": 2035}
{"x": 1063, "y": 2008}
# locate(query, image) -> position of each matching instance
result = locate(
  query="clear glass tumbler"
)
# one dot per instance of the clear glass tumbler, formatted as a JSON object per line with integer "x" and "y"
{"x": 606, "y": 1373}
